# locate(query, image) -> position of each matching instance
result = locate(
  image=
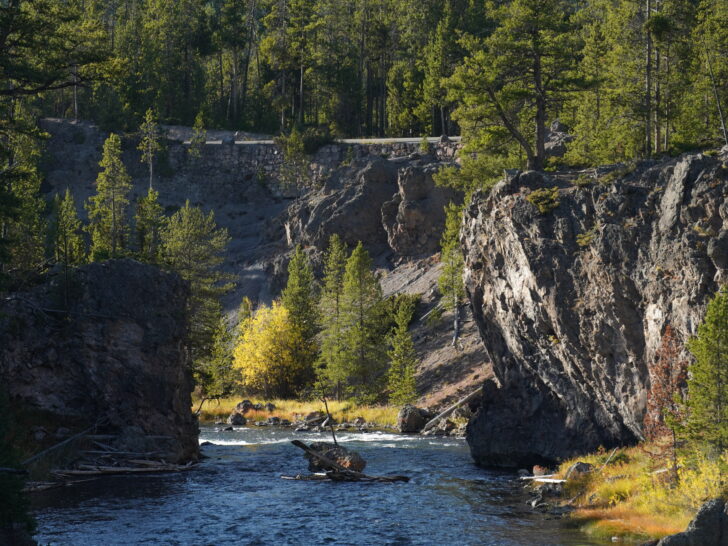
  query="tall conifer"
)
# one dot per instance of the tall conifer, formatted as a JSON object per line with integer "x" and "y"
{"x": 107, "y": 209}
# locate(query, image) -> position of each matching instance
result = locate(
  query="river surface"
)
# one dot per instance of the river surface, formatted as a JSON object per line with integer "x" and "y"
{"x": 237, "y": 496}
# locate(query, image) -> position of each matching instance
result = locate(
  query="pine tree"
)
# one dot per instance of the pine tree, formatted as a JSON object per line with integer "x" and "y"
{"x": 299, "y": 298}
{"x": 149, "y": 143}
{"x": 199, "y": 136}
{"x": 450, "y": 281}
{"x": 332, "y": 360}
{"x": 513, "y": 80}
{"x": 299, "y": 295}
{"x": 402, "y": 360}
{"x": 707, "y": 422}
{"x": 193, "y": 246}
{"x": 216, "y": 376}
{"x": 67, "y": 241}
{"x": 107, "y": 209}
{"x": 148, "y": 223}
{"x": 361, "y": 299}
{"x": 26, "y": 229}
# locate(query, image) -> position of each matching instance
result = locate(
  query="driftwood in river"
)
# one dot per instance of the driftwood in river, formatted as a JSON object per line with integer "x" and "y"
{"x": 339, "y": 473}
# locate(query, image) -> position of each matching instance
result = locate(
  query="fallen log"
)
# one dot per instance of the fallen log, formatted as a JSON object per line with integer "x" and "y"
{"x": 341, "y": 473}
{"x": 451, "y": 409}
{"x": 108, "y": 470}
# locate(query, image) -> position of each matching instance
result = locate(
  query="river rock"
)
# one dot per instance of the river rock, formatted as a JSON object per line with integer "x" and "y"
{"x": 236, "y": 419}
{"x": 118, "y": 356}
{"x": 359, "y": 422}
{"x": 708, "y": 528}
{"x": 571, "y": 304}
{"x": 577, "y": 470}
{"x": 412, "y": 419}
{"x": 315, "y": 418}
{"x": 244, "y": 407}
{"x": 338, "y": 454}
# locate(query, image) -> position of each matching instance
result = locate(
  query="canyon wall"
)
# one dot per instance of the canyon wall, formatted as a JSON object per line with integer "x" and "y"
{"x": 572, "y": 303}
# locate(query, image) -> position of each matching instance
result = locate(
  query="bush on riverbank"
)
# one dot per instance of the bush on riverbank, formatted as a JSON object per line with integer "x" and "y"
{"x": 345, "y": 411}
{"x": 636, "y": 493}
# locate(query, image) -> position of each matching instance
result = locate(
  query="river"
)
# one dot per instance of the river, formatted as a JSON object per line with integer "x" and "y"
{"x": 236, "y": 496}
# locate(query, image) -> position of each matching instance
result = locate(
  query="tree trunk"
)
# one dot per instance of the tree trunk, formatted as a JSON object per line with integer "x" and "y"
{"x": 538, "y": 160}
{"x": 717, "y": 96}
{"x": 648, "y": 84}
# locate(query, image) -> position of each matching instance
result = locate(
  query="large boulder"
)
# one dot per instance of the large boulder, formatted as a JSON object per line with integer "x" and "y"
{"x": 236, "y": 419}
{"x": 338, "y": 454}
{"x": 115, "y": 356}
{"x": 411, "y": 419}
{"x": 708, "y": 528}
{"x": 572, "y": 304}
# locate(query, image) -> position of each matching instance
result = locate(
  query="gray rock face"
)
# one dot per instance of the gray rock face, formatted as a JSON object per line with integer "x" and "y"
{"x": 415, "y": 218}
{"x": 349, "y": 204}
{"x": 708, "y": 528}
{"x": 118, "y": 354}
{"x": 572, "y": 304}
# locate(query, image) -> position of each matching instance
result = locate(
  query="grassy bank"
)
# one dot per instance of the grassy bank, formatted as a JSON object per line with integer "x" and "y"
{"x": 218, "y": 410}
{"x": 637, "y": 495}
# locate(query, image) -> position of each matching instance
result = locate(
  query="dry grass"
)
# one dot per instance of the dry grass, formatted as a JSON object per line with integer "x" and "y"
{"x": 636, "y": 495}
{"x": 344, "y": 411}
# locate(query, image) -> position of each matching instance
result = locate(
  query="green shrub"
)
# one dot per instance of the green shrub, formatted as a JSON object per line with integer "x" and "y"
{"x": 587, "y": 238}
{"x": 545, "y": 199}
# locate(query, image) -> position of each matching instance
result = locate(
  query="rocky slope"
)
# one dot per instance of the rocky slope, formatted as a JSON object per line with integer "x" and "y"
{"x": 115, "y": 355}
{"x": 572, "y": 303}
{"x": 380, "y": 193}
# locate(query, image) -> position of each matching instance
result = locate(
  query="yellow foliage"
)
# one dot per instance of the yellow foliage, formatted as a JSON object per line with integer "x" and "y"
{"x": 342, "y": 411}
{"x": 267, "y": 353}
{"x": 636, "y": 493}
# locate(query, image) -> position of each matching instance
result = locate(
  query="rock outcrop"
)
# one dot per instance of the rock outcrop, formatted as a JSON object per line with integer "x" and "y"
{"x": 572, "y": 303}
{"x": 115, "y": 355}
{"x": 415, "y": 217}
{"x": 708, "y": 528}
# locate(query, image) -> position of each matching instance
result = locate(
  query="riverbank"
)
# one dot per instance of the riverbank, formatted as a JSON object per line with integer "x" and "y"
{"x": 292, "y": 410}
{"x": 633, "y": 493}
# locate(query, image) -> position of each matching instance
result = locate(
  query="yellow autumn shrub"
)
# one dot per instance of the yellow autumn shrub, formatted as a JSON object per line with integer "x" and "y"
{"x": 267, "y": 354}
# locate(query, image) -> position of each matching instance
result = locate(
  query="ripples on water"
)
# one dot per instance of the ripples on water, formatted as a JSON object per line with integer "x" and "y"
{"x": 236, "y": 496}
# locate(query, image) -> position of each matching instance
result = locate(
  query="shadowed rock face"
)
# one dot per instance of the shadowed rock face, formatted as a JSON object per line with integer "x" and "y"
{"x": 571, "y": 304}
{"x": 118, "y": 353}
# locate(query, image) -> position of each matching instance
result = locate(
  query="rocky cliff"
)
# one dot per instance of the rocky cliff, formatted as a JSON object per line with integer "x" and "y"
{"x": 572, "y": 302}
{"x": 114, "y": 355}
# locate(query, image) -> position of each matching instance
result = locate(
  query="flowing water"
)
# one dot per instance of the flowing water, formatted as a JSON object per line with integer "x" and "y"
{"x": 236, "y": 496}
